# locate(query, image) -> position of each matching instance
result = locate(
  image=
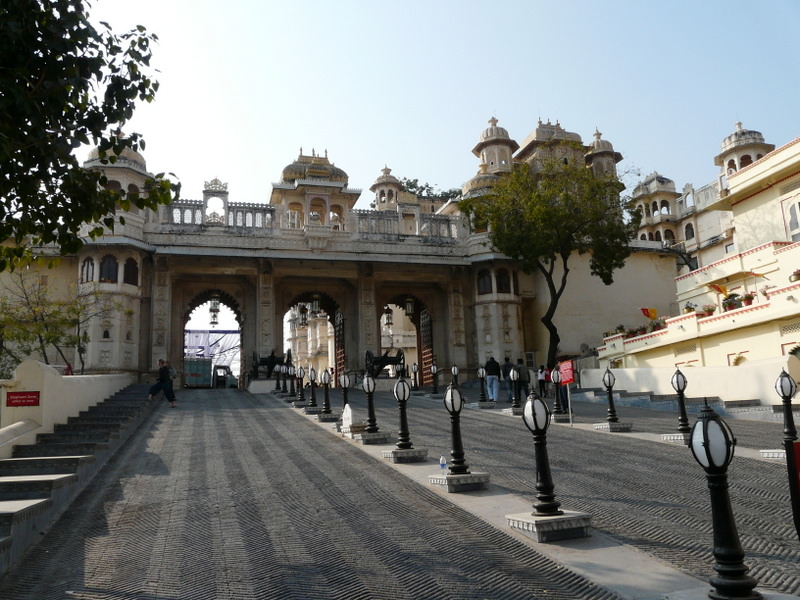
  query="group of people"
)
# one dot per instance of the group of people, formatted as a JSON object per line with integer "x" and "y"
{"x": 495, "y": 373}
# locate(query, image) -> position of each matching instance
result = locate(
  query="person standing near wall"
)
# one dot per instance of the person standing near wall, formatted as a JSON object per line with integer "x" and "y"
{"x": 506, "y": 370}
{"x": 524, "y": 378}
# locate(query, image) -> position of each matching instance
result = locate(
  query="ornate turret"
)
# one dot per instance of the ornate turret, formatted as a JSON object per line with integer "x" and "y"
{"x": 741, "y": 148}
{"x": 387, "y": 189}
{"x": 601, "y": 156}
{"x": 495, "y": 148}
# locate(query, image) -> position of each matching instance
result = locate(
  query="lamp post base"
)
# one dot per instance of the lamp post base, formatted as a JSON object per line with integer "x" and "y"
{"x": 551, "y": 528}
{"x": 676, "y": 438}
{"x": 465, "y": 482}
{"x": 616, "y": 427}
{"x": 298, "y": 404}
{"x": 377, "y": 437}
{"x": 327, "y": 417}
{"x": 776, "y": 454}
{"x": 312, "y": 410}
{"x": 409, "y": 455}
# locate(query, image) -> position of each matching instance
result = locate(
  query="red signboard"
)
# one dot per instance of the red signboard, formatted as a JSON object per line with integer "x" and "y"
{"x": 567, "y": 372}
{"x": 22, "y": 398}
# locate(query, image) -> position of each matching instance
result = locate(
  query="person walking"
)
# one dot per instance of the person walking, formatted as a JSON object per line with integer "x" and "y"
{"x": 506, "y": 370}
{"x": 164, "y": 383}
{"x": 524, "y": 378}
{"x": 541, "y": 378}
{"x": 492, "y": 368}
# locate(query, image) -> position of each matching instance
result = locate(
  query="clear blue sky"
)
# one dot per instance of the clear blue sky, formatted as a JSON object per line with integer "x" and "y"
{"x": 246, "y": 83}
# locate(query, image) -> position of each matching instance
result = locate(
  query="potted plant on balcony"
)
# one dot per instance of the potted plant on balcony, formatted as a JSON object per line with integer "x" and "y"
{"x": 731, "y": 301}
{"x": 689, "y": 307}
{"x": 795, "y": 275}
{"x": 748, "y": 298}
{"x": 708, "y": 309}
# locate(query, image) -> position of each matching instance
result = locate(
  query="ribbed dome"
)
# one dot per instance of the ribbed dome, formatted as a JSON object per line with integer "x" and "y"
{"x": 741, "y": 137}
{"x": 386, "y": 179}
{"x": 482, "y": 181}
{"x": 599, "y": 144}
{"x": 312, "y": 167}
{"x": 127, "y": 155}
{"x": 494, "y": 135}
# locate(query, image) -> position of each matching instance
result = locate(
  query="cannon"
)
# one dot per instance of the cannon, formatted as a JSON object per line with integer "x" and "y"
{"x": 374, "y": 365}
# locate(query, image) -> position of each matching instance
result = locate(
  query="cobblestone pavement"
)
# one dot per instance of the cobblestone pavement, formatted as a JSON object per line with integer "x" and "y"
{"x": 651, "y": 495}
{"x": 236, "y": 496}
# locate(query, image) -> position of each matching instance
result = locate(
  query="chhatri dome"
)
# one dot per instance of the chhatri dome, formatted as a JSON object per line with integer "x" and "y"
{"x": 313, "y": 167}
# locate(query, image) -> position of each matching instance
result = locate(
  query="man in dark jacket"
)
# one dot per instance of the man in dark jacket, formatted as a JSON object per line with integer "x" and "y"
{"x": 164, "y": 382}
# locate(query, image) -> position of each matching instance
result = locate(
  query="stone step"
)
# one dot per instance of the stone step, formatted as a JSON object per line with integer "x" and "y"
{"x": 28, "y": 487}
{"x": 43, "y": 465}
{"x": 121, "y": 420}
{"x": 22, "y": 523}
{"x": 88, "y": 426}
{"x": 59, "y": 449}
{"x": 71, "y": 437}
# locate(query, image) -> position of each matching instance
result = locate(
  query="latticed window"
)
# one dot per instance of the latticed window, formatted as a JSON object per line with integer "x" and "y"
{"x": 484, "y": 282}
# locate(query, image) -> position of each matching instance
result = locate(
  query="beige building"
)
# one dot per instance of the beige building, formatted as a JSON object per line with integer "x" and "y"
{"x": 738, "y": 301}
{"x": 453, "y": 300}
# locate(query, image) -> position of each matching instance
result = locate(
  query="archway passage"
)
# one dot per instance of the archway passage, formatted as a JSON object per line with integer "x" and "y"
{"x": 212, "y": 342}
{"x": 315, "y": 334}
{"x": 406, "y": 326}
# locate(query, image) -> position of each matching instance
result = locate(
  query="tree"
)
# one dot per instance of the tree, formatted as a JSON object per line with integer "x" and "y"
{"x": 426, "y": 190}
{"x": 541, "y": 217}
{"x": 65, "y": 84}
{"x": 35, "y": 323}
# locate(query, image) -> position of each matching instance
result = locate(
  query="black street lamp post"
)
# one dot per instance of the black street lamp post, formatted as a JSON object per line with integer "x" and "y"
{"x": 301, "y": 396}
{"x": 291, "y": 380}
{"x": 284, "y": 369}
{"x": 608, "y": 381}
{"x": 312, "y": 377}
{"x": 537, "y": 418}
{"x": 326, "y": 401}
{"x": 786, "y": 388}
{"x": 344, "y": 382}
{"x": 454, "y": 402}
{"x": 712, "y": 445}
{"x": 414, "y": 369}
{"x": 369, "y": 388}
{"x": 482, "y": 378}
{"x": 514, "y": 374}
{"x": 402, "y": 391}
{"x": 555, "y": 377}
{"x": 434, "y": 371}
{"x": 454, "y": 376}
{"x": 679, "y": 385}
{"x": 277, "y": 370}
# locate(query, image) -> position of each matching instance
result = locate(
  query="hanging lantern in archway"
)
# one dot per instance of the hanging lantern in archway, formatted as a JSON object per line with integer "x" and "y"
{"x": 409, "y": 306}
{"x": 387, "y": 313}
{"x": 213, "y": 310}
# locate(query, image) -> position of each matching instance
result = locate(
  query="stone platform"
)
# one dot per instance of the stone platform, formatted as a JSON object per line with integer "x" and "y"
{"x": 466, "y": 482}
{"x": 565, "y": 526}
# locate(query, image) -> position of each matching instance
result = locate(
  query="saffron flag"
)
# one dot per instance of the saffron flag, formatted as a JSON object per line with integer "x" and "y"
{"x": 754, "y": 274}
{"x": 650, "y": 313}
{"x": 719, "y": 288}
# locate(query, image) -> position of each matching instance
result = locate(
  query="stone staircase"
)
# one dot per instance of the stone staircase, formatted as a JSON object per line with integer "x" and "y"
{"x": 41, "y": 480}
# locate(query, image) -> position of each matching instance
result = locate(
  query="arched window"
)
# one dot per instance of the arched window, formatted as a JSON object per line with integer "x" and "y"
{"x": 87, "y": 269}
{"x": 130, "y": 273}
{"x": 665, "y": 210}
{"x": 731, "y": 166}
{"x": 643, "y": 237}
{"x": 688, "y": 231}
{"x": 106, "y": 334}
{"x": 658, "y": 236}
{"x": 503, "y": 282}
{"x": 668, "y": 235}
{"x": 484, "y": 282}
{"x": 655, "y": 208}
{"x": 746, "y": 160}
{"x": 650, "y": 236}
{"x": 109, "y": 269}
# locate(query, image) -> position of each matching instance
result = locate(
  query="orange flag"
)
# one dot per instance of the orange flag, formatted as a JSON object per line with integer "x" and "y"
{"x": 650, "y": 313}
{"x": 719, "y": 288}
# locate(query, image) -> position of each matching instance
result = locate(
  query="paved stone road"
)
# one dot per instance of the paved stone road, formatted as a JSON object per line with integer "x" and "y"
{"x": 235, "y": 496}
{"x": 653, "y": 496}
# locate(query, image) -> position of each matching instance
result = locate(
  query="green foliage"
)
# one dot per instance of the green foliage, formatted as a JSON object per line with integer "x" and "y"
{"x": 65, "y": 84}
{"x": 540, "y": 218}
{"x": 426, "y": 190}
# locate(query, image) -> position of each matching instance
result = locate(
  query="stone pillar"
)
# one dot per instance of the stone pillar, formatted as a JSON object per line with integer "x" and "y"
{"x": 161, "y": 312}
{"x": 455, "y": 302}
{"x": 367, "y": 316}
{"x": 265, "y": 340}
